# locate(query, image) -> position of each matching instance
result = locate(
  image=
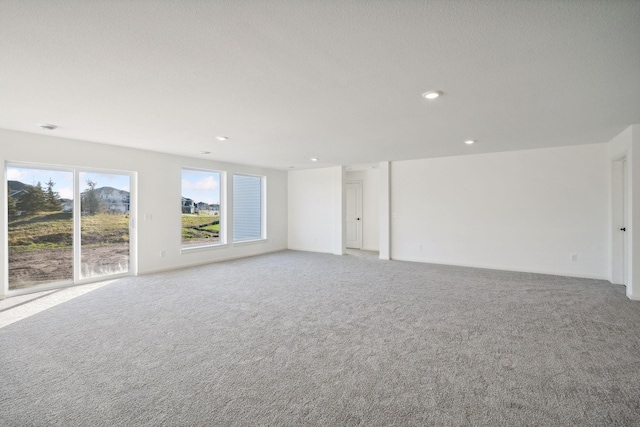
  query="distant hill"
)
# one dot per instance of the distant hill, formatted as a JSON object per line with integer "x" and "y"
{"x": 110, "y": 199}
{"x": 107, "y": 190}
{"x": 16, "y": 185}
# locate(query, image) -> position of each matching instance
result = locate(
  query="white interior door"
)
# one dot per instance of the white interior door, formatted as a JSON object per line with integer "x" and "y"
{"x": 354, "y": 215}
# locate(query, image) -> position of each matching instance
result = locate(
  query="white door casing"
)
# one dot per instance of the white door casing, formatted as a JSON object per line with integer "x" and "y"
{"x": 354, "y": 214}
{"x": 619, "y": 238}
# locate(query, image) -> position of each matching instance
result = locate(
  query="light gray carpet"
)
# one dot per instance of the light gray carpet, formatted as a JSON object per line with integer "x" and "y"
{"x": 297, "y": 338}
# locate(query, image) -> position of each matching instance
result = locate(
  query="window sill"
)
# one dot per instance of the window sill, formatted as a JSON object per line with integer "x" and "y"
{"x": 249, "y": 242}
{"x": 199, "y": 248}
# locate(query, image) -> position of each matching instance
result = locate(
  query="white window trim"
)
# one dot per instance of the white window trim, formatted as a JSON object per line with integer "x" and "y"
{"x": 76, "y": 280}
{"x": 223, "y": 213}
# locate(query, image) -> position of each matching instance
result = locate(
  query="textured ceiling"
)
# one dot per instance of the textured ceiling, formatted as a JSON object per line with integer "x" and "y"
{"x": 337, "y": 80}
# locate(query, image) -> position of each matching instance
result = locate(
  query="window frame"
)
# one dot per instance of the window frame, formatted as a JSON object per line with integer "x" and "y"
{"x": 223, "y": 211}
{"x": 76, "y": 280}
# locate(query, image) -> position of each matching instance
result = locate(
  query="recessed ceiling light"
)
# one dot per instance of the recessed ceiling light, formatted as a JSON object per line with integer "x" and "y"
{"x": 205, "y": 152}
{"x": 470, "y": 141}
{"x": 222, "y": 138}
{"x": 432, "y": 94}
{"x": 48, "y": 126}
{"x": 313, "y": 159}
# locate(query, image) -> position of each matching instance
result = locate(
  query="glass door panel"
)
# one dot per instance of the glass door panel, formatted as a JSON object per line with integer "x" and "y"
{"x": 40, "y": 226}
{"x": 104, "y": 224}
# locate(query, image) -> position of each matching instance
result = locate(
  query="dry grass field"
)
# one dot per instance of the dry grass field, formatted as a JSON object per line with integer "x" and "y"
{"x": 41, "y": 247}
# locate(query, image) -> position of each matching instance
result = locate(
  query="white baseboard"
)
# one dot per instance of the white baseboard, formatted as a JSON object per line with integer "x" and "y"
{"x": 633, "y": 297}
{"x": 212, "y": 261}
{"x": 293, "y": 248}
{"x": 493, "y": 267}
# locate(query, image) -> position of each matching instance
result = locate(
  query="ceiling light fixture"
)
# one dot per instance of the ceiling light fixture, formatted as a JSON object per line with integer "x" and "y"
{"x": 313, "y": 159}
{"x": 49, "y": 126}
{"x": 470, "y": 141}
{"x": 205, "y": 152}
{"x": 222, "y": 138}
{"x": 432, "y": 94}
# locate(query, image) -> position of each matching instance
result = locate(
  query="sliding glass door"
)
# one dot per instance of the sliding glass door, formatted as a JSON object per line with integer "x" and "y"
{"x": 104, "y": 224}
{"x": 66, "y": 226}
{"x": 40, "y": 226}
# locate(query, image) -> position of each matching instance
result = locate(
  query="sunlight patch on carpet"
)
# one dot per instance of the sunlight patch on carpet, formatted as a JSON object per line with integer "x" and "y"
{"x": 20, "y": 307}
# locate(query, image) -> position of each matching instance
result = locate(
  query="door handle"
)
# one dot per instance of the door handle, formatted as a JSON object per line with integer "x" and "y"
{"x": 623, "y": 229}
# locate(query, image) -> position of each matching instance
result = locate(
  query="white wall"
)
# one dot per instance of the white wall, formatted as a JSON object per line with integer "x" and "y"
{"x": 525, "y": 210}
{"x": 370, "y": 206}
{"x": 159, "y": 188}
{"x": 384, "y": 210}
{"x": 316, "y": 210}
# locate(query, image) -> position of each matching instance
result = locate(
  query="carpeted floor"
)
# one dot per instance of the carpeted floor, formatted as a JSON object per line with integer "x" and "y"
{"x": 297, "y": 338}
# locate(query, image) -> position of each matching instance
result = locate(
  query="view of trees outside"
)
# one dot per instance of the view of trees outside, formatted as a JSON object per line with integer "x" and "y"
{"x": 40, "y": 225}
{"x": 200, "y": 207}
{"x": 40, "y": 206}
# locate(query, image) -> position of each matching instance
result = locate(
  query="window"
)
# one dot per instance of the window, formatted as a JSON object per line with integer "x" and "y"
{"x": 105, "y": 205}
{"x": 40, "y": 226}
{"x": 66, "y": 225}
{"x": 201, "y": 208}
{"x": 248, "y": 216}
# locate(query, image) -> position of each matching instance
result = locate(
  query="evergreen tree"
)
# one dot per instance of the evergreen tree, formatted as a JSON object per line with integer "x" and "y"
{"x": 33, "y": 199}
{"x": 11, "y": 206}
{"x": 90, "y": 203}
{"x": 52, "y": 198}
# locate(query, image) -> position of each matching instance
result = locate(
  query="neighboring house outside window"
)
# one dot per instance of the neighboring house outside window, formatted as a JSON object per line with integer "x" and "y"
{"x": 202, "y": 225}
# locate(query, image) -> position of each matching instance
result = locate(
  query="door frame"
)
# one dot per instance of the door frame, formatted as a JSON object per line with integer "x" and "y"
{"x": 77, "y": 219}
{"x": 359, "y": 208}
{"x": 75, "y": 170}
{"x": 620, "y": 210}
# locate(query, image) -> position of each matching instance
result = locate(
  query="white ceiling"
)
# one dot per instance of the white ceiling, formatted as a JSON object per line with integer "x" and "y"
{"x": 337, "y": 80}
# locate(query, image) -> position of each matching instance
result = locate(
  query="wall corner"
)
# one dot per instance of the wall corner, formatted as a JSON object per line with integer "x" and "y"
{"x": 385, "y": 210}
